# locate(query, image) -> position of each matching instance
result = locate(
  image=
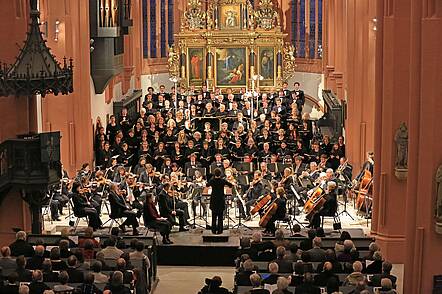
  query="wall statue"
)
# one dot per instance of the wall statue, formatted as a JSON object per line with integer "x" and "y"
{"x": 401, "y": 139}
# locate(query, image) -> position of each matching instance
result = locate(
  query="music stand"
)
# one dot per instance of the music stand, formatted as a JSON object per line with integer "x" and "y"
{"x": 191, "y": 171}
{"x": 243, "y": 166}
{"x": 297, "y": 197}
{"x": 281, "y": 166}
{"x": 272, "y": 167}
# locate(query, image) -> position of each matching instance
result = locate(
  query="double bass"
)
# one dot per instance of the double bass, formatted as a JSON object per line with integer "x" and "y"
{"x": 314, "y": 203}
{"x": 364, "y": 200}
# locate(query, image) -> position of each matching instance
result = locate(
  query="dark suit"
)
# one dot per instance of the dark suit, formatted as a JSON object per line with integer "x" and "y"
{"x": 307, "y": 288}
{"x": 284, "y": 265}
{"x": 21, "y": 247}
{"x": 376, "y": 280}
{"x": 83, "y": 209}
{"x": 271, "y": 280}
{"x": 119, "y": 209}
{"x": 300, "y": 101}
{"x": 259, "y": 291}
{"x": 38, "y": 287}
{"x": 322, "y": 278}
{"x": 165, "y": 204}
{"x": 34, "y": 262}
{"x": 217, "y": 203}
{"x": 75, "y": 275}
{"x": 242, "y": 278}
{"x": 9, "y": 289}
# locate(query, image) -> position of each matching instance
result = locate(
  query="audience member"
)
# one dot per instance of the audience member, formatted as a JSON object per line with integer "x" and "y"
{"x": 20, "y": 246}
{"x": 37, "y": 286}
{"x": 307, "y": 243}
{"x": 297, "y": 231}
{"x": 282, "y": 286}
{"x": 316, "y": 253}
{"x": 140, "y": 283}
{"x": 64, "y": 248}
{"x": 88, "y": 285}
{"x": 100, "y": 257}
{"x": 256, "y": 282}
{"x": 308, "y": 287}
{"x": 116, "y": 285}
{"x": 332, "y": 286}
{"x": 373, "y": 247}
{"x": 327, "y": 273}
{"x": 23, "y": 289}
{"x": 24, "y": 275}
{"x": 386, "y": 287}
{"x": 259, "y": 250}
{"x": 121, "y": 266}
{"x": 243, "y": 276}
{"x": 213, "y": 286}
{"x": 273, "y": 277}
{"x": 345, "y": 255}
{"x": 11, "y": 287}
{"x": 88, "y": 250}
{"x": 75, "y": 275}
{"x": 285, "y": 266}
{"x": 88, "y": 235}
{"x": 63, "y": 279}
{"x": 292, "y": 254}
{"x": 375, "y": 267}
{"x": 356, "y": 276}
{"x": 57, "y": 263}
{"x": 36, "y": 261}
{"x": 375, "y": 280}
{"x": 49, "y": 276}
{"x": 339, "y": 246}
{"x": 330, "y": 256}
{"x": 99, "y": 277}
{"x": 280, "y": 239}
{"x": 6, "y": 261}
{"x": 111, "y": 251}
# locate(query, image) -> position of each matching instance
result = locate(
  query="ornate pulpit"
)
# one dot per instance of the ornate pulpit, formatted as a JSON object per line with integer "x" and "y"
{"x": 231, "y": 45}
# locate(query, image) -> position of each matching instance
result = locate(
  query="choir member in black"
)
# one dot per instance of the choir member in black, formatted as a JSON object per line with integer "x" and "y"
{"x": 283, "y": 151}
{"x": 191, "y": 164}
{"x": 326, "y": 146}
{"x": 335, "y": 156}
{"x": 152, "y": 219}
{"x": 158, "y": 156}
{"x": 300, "y": 98}
{"x": 324, "y": 163}
{"x": 125, "y": 122}
{"x": 305, "y": 134}
{"x": 83, "y": 208}
{"x": 206, "y": 155}
{"x": 120, "y": 209}
{"x": 341, "y": 145}
{"x": 315, "y": 153}
{"x": 265, "y": 154}
{"x": 112, "y": 128}
{"x": 126, "y": 156}
{"x": 218, "y": 163}
{"x": 280, "y": 213}
{"x": 329, "y": 208}
{"x": 299, "y": 167}
{"x": 217, "y": 200}
{"x": 104, "y": 156}
{"x": 237, "y": 152}
{"x": 168, "y": 209}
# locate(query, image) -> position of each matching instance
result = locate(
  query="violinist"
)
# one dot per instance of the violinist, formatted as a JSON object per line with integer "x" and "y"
{"x": 120, "y": 175}
{"x": 132, "y": 191}
{"x": 120, "y": 209}
{"x": 83, "y": 208}
{"x": 167, "y": 206}
{"x": 152, "y": 219}
{"x": 280, "y": 201}
{"x": 329, "y": 208}
{"x": 286, "y": 182}
{"x": 149, "y": 177}
{"x": 217, "y": 200}
{"x": 198, "y": 184}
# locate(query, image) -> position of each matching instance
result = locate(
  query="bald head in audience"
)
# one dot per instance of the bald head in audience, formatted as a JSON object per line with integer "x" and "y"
{"x": 255, "y": 280}
{"x": 357, "y": 267}
{"x": 273, "y": 268}
{"x": 23, "y": 289}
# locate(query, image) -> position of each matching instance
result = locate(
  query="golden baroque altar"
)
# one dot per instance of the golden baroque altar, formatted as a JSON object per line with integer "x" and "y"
{"x": 231, "y": 45}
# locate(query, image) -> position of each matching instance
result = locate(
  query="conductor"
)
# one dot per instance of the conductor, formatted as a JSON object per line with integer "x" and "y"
{"x": 217, "y": 200}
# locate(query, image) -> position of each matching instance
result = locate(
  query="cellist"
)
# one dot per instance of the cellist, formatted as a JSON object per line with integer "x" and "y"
{"x": 329, "y": 208}
{"x": 281, "y": 210}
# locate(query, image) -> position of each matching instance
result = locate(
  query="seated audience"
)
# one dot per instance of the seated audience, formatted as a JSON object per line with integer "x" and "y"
{"x": 316, "y": 253}
{"x": 24, "y": 289}
{"x": 373, "y": 247}
{"x": 307, "y": 243}
{"x": 307, "y": 287}
{"x": 20, "y": 246}
{"x": 292, "y": 254}
{"x": 63, "y": 279}
{"x": 88, "y": 285}
{"x": 297, "y": 231}
{"x": 327, "y": 273}
{"x": 75, "y": 275}
{"x": 37, "y": 286}
{"x": 6, "y": 261}
{"x": 116, "y": 285}
{"x": 88, "y": 235}
{"x": 213, "y": 286}
{"x": 376, "y": 266}
{"x": 110, "y": 251}
{"x": 99, "y": 277}
{"x": 88, "y": 250}
{"x": 346, "y": 254}
{"x": 330, "y": 256}
{"x": 24, "y": 275}
{"x": 282, "y": 286}
{"x": 138, "y": 254}
{"x": 386, "y": 287}
{"x": 280, "y": 239}
{"x": 256, "y": 282}
{"x": 64, "y": 249}
{"x": 260, "y": 250}
{"x": 36, "y": 261}
{"x": 243, "y": 276}
{"x": 356, "y": 276}
{"x": 100, "y": 257}
{"x": 273, "y": 277}
{"x": 140, "y": 283}
{"x": 57, "y": 263}
{"x": 11, "y": 286}
{"x": 339, "y": 246}
{"x": 375, "y": 280}
{"x": 49, "y": 276}
{"x": 285, "y": 266}
{"x": 121, "y": 266}
{"x": 332, "y": 286}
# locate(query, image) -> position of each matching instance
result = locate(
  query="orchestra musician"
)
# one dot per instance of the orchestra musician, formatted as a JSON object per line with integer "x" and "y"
{"x": 133, "y": 192}
{"x": 329, "y": 208}
{"x": 281, "y": 202}
{"x": 368, "y": 165}
{"x": 120, "y": 208}
{"x": 149, "y": 177}
{"x": 83, "y": 208}
{"x": 168, "y": 209}
{"x": 256, "y": 189}
{"x": 198, "y": 185}
{"x": 217, "y": 200}
{"x": 152, "y": 219}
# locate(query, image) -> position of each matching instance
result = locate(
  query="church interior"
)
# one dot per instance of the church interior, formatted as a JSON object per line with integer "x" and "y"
{"x": 220, "y": 146}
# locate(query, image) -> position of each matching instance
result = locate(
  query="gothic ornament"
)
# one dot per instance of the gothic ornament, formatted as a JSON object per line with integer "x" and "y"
{"x": 401, "y": 140}
{"x": 438, "y": 210}
{"x": 195, "y": 18}
{"x": 266, "y": 17}
{"x": 36, "y": 71}
{"x": 289, "y": 53}
{"x": 173, "y": 62}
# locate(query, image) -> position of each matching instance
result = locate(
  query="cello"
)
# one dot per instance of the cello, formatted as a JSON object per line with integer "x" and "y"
{"x": 363, "y": 200}
{"x": 314, "y": 203}
{"x": 261, "y": 203}
{"x": 268, "y": 213}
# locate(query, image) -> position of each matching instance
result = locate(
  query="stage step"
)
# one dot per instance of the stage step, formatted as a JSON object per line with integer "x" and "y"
{"x": 208, "y": 236}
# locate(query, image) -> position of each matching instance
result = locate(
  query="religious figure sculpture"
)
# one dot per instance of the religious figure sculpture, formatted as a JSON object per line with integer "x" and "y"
{"x": 231, "y": 21}
{"x": 438, "y": 210}
{"x": 173, "y": 62}
{"x": 401, "y": 139}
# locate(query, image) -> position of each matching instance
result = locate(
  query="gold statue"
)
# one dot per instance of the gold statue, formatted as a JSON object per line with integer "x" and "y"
{"x": 173, "y": 62}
